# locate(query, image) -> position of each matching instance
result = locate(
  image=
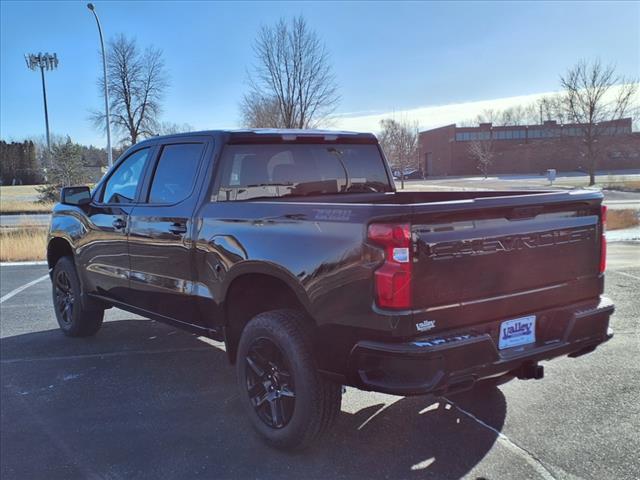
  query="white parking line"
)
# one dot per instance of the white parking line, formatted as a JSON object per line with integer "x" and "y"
{"x": 13, "y": 293}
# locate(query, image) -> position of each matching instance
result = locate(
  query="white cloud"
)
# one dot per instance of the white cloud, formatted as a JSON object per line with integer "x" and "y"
{"x": 437, "y": 116}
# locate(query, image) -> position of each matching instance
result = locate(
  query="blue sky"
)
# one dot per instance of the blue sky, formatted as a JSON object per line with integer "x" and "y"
{"x": 387, "y": 56}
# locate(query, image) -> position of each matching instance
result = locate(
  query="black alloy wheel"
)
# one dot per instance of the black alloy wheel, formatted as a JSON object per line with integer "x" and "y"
{"x": 77, "y": 315}
{"x": 270, "y": 384}
{"x": 289, "y": 402}
{"x": 64, "y": 298}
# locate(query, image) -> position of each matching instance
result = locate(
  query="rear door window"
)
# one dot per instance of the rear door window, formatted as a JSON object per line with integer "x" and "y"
{"x": 175, "y": 173}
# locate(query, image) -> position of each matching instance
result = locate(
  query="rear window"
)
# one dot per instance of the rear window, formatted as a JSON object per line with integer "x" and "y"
{"x": 175, "y": 173}
{"x": 287, "y": 170}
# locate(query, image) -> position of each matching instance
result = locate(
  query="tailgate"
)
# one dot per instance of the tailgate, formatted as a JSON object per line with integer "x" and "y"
{"x": 539, "y": 250}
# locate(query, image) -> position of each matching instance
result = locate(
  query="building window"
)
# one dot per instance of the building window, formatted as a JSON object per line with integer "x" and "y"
{"x": 464, "y": 136}
{"x": 616, "y": 130}
{"x": 547, "y": 133}
{"x": 500, "y": 135}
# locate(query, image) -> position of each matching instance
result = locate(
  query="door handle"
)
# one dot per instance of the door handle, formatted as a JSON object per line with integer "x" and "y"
{"x": 178, "y": 228}
{"x": 119, "y": 224}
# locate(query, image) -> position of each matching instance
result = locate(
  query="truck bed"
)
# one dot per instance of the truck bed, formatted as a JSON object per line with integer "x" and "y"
{"x": 476, "y": 256}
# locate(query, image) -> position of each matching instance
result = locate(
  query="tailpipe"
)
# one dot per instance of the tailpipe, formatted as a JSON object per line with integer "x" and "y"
{"x": 529, "y": 371}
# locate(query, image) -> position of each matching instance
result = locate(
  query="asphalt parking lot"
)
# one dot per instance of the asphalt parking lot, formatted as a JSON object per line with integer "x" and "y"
{"x": 144, "y": 400}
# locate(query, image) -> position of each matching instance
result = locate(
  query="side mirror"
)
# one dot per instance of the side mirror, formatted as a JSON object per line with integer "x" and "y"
{"x": 77, "y": 196}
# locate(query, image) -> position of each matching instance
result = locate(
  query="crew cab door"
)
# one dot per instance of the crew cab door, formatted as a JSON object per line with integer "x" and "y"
{"x": 104, "y": 257}
{"x": 160, "y": 231}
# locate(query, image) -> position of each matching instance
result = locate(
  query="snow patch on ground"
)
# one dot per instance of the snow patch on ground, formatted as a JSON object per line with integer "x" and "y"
{"x": 624, "y": 235}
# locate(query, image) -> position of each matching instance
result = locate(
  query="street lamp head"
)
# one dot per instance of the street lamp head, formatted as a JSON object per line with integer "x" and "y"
{"x": 44, "y": 61}
{"x": 91, "y": 7}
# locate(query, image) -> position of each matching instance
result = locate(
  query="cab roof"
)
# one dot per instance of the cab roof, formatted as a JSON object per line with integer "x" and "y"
{"x": 280, "y": 135}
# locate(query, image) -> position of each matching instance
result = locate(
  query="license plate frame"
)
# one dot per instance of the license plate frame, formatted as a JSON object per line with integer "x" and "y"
{"x": 517, "y": 332}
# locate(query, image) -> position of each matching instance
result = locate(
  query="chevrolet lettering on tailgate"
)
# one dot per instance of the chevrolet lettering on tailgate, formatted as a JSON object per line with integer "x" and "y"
{"x": 487, "y": 246}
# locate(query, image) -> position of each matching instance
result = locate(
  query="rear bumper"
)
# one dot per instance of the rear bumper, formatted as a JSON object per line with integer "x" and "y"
{"x": 456, "y": 360}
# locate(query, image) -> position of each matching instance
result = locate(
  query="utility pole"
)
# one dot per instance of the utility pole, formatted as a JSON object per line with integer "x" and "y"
{"x": 44, "y": 61}
{"x": 92, "y": 7}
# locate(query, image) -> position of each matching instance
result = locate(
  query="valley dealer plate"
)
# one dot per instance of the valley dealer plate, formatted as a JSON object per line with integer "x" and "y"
{"x": 516, "y": 332}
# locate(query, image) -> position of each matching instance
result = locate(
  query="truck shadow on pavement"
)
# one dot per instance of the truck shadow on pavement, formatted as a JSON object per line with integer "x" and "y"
{"x": 144, "y": 400}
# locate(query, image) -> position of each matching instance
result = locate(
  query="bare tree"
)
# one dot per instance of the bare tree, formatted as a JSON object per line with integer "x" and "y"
{"x": 512, "y": 116}
{"x": 489, "y": 115}
{"x": 292, "y": 71}
{"x": 551, "y": 107}
{"x": 170, "y": 128}
{"x": 399, "y": 141}
{"x": 261, "y": 112}
{"x": 590, "y": 100}
{"x": 482, "y": 152}
{"x": 137, "y": 82}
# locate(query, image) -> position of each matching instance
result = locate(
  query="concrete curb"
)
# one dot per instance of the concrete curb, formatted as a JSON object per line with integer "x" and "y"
{"x": 22, "y": 264}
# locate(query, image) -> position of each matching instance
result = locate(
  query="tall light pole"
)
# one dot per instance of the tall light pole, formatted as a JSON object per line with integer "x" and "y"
{"x": 43, "y": 61}
{"x": 91, "y": 7}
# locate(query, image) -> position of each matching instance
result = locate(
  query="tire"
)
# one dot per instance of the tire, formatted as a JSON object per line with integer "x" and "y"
{"x": 309, "y": 402}
{"x": 77, "y": 316}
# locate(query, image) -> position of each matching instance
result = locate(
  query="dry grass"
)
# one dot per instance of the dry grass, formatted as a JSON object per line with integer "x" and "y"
{"x": 622, "y": 185}
{"x": 633, "y": 184}
{"x": 23, "y": 244}
{"x": 21, "y": 206}
{"x": 22, "y": 199}
{"x": 617, "y": 219}
{"x": 19, "y": 192}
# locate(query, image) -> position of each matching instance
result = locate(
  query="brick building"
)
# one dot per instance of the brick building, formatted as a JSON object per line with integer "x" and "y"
{"x": 526, "y": 149}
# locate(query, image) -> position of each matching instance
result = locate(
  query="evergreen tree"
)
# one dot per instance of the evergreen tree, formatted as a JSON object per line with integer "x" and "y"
{"x": 66, "y": 169}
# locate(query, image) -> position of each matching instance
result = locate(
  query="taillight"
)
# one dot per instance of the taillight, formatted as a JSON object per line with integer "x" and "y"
{"x": 603, "y": 239}
{"x": 393, "y": 278}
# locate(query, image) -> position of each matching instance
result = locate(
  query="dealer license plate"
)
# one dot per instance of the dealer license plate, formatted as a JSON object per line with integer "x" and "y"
{"x": 519, "y": 331}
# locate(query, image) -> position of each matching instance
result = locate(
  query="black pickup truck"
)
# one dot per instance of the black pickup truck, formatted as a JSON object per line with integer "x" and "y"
{"x": 296, "y": 250}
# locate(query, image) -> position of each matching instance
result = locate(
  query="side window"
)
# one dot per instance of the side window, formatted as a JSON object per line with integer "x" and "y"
{"x": 175, "y": 173}
{"x": 123, "y": 183}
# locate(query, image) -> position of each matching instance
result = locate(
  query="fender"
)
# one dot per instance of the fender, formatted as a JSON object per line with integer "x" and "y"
{"x": 68, "y": 224}
{"x": 266, "y": 268}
